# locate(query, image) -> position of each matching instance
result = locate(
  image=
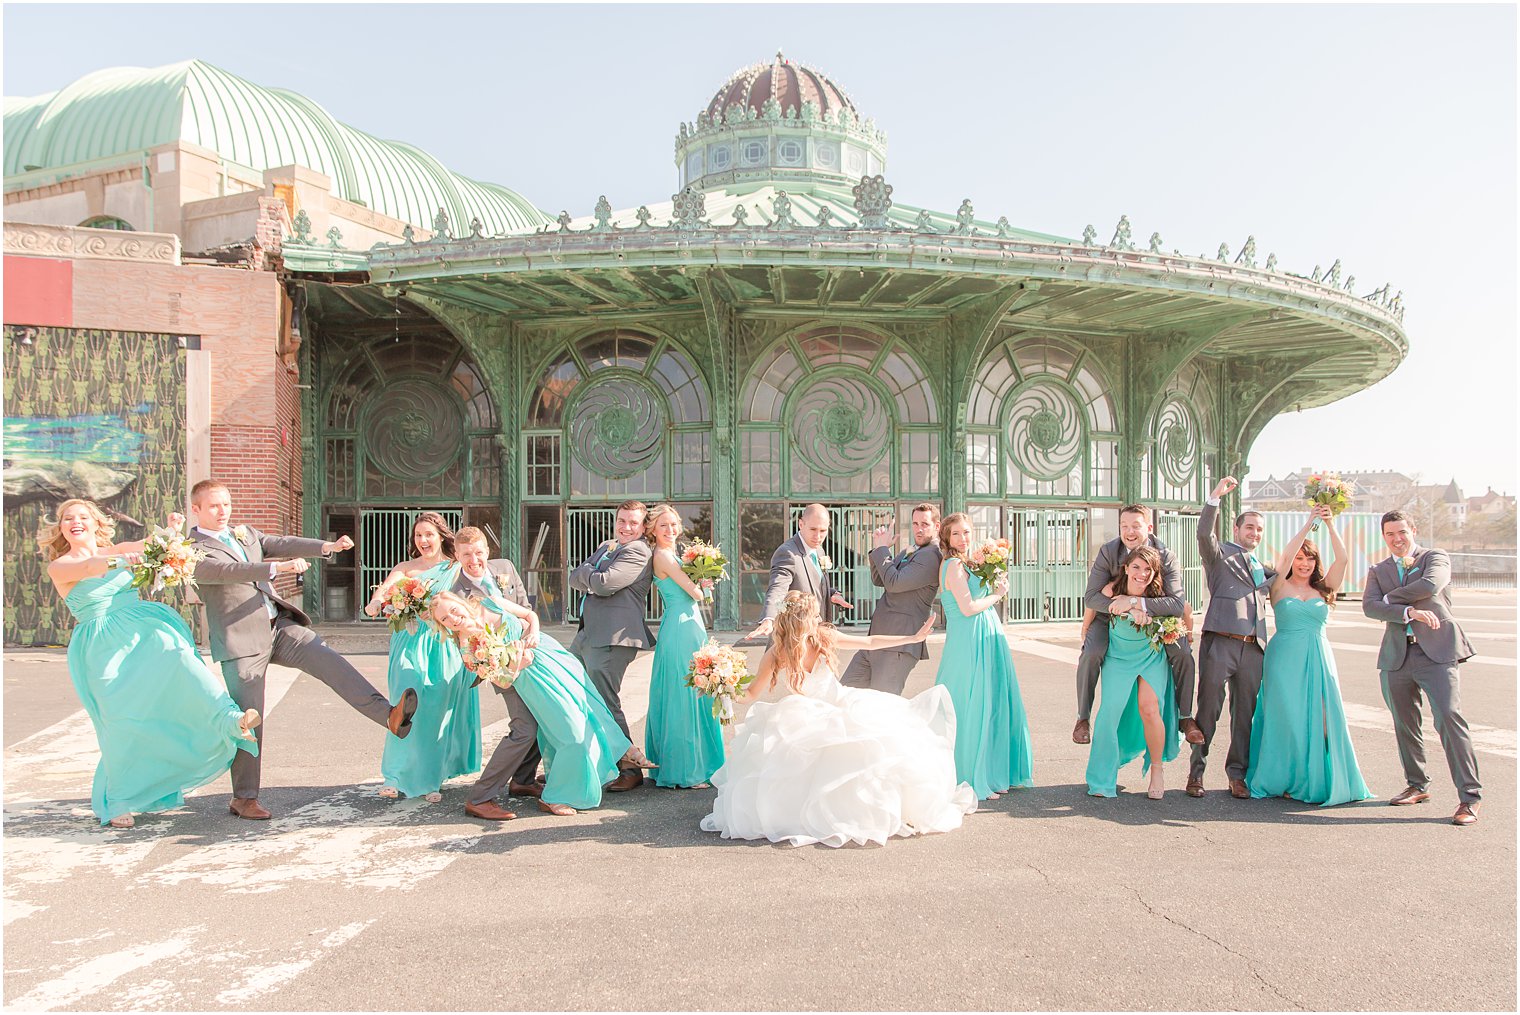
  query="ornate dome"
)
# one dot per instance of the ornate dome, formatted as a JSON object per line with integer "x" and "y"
{"x": 789, "y": 83}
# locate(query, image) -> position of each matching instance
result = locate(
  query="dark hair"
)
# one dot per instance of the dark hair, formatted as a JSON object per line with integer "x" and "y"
{"x": 1154, "y": 589}
{"x": 437, "y": 521}
{"x": 944, "y": 533}
{"x": 1240, "y": 518}
{"x": 1317, "y": 576}
{"x": 1135, "y": 509}
{"x": 1396, "y": 516}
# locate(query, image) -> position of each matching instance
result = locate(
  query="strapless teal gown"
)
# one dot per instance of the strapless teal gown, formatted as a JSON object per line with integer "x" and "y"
{"x": 1118, "y": 737}
{"x": 680, "y": 735}
{"x": 992, "y": 748}
{"x": 164, "y": 720}
{"x": 445, "y": 737}
{"x": 580, "y": 740}
{"x": 1300, "y": 745}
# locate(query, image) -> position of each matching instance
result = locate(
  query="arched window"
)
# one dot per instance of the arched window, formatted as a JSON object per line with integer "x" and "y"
{"x": 1040, "y": 423}
{"x": 631, "y": 409}
{"x": 1181, "y": 437}
{"x": 838, "y": 410}
{"x": 107, "y": 222}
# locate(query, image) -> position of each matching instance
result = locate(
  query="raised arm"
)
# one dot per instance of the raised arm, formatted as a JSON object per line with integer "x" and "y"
{"x": 291, "y": 546}
{"x": 918, "y": 571}
{"x": 1284, "y": 562}
{"x": 625, "y": 570}
{"x": 960, "y": 588}
{"x": 1336, "y": 572}
{"x": 1434, "y": 575}
{"x": 233, "y": 572}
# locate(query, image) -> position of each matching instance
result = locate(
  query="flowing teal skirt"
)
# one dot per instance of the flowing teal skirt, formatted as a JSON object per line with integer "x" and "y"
{"x": 1118, "y": 735}
{"x": 445, "y": 737}
{"x": 681, "y": 735}
{"x": 580, "y": 740}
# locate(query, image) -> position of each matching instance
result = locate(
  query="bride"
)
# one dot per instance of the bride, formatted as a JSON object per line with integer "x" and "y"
{"x": 834, "y": 764}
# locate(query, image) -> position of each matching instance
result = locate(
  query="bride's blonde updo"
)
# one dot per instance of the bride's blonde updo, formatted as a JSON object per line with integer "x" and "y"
{"x": 797, "y": 628}
{"x": 52, "y": 543}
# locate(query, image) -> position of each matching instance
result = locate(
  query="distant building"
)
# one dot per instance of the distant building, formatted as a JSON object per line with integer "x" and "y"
{"x": 1380, "y": 490}
{"x": 1489, "y": 505}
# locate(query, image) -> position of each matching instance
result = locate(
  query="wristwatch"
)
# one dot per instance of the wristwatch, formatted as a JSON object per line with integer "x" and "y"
{"x": 1132, "y": 601}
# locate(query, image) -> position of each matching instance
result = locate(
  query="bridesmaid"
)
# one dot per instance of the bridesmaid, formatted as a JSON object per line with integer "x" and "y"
{"x": 992, "y": 748}
{"x": 1137, "y": 709}
{"x": 445, "y": 739}
{"x": 681, "y": 735}
{"x": 580, "y": 740}
{"x": 1300, "y": 746}
{"x": 165, "y": 722}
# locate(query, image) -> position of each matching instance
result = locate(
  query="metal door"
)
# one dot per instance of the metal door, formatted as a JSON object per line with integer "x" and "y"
{"x": 1048, "y": 573}
{"x": 1179, "y": 532}
{"x": 385, "y": 540}
{"x": 848, "y": 547}
{"x": 585, "y": 530}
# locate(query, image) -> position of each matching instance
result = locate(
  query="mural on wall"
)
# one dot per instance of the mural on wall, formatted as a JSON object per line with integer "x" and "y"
{"x": 96, "y": 414}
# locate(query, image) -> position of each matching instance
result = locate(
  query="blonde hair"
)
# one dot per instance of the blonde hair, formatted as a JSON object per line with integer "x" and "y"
{"x": 797, "y": 628}
{"x": 472, "y": 609}
{"x": 652, "y": 518}
{"x": 51, "y": 542}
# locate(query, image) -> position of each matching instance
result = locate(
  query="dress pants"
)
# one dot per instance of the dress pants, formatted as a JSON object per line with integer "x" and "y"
{"x": 1227, "y": 663}
{"x": 1438, "y": 682}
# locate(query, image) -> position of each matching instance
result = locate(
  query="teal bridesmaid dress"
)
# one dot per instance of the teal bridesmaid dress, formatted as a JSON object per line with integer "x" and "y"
{"x": 164, "y": 720}
{"x": 1118, "y": 737}
{"x": 445, "y": 737}
{"x": 681, "y": 734}
{"x": 992, "y": 748}
{"x": 580, "y": 740}
{"x": 1300, "y": 746}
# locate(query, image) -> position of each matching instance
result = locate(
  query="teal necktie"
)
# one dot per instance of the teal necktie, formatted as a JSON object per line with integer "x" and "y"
{"x": 1257, "y": 574}
{"x": 813, "y": 556}
{"x": 489, "y": 586}
{"x": 232, "y": 544}
{"x": 1408, "y": 628}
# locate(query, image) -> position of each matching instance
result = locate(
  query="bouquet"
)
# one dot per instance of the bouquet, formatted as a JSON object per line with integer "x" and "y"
{"x": 704, "y": 562}
{"x": 169, "y": 560}
{"x": 493, "y": 656}
{"x": 989, "y": 562}
{"x": 1164, "y": 631}
{"x": 1328, "y": 490}
{"x": 722, "y": 674}
{"x": 409, "y": 599}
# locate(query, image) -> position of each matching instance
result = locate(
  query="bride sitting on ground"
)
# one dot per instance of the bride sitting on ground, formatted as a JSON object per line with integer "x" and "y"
{"x": 833, "y": 764}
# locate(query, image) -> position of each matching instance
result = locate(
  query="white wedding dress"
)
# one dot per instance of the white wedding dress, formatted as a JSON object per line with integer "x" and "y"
{"x": 837, "y": 764}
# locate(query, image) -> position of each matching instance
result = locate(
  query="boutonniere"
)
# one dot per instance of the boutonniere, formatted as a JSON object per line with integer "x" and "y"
{"x": 824, "y": 563}
{"x": 241, "y": 534}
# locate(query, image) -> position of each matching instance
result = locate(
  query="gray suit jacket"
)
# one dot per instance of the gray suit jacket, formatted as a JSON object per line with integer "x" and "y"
{"x": 617, "y": 596}
{"x": 234, "y": 591}
{"x": 1236, "y": 604}
{"x": 503, "y": 572}
{"x": 1427, "y": 586}
{"x": 1106, "y": 567}
{"x": 911, "y": 587}
{"x": 792, "y": 568}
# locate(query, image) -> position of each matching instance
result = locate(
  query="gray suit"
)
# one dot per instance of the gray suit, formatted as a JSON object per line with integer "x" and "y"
{"x": 1107, "y": 566}
{"x": 1238, "y": 607}
{"x": 516, "y": 758}
{"x": 244, "y": 640}
{"x": 1423, "y": 661}
{"x": 616, "y": 580}
{"x": 911, "y": 581}
{"x": 792, "y": 568}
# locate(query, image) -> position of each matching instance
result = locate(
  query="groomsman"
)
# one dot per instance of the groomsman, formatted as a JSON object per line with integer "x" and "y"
{"x": 514, "y": 764}
{"x": 1234, "y": 638}
{"x": 799, "y": 564}
{"x": 911, "y": 581}
{"x": 1134, "y": 530}
{"x": 616, "y": 579}
{"x": 251, "y": 626}
{"x": 1422, "y": 647}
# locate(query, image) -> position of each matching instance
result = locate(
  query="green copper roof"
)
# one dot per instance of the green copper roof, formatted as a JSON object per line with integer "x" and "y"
{"x": 123, "y": 110}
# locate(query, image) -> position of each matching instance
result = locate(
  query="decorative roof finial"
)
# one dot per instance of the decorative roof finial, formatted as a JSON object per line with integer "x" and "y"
{"x": 873, "y": 199}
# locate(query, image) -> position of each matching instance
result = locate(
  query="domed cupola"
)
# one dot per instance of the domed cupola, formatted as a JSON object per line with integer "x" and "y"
{"x": 779, "y": 121}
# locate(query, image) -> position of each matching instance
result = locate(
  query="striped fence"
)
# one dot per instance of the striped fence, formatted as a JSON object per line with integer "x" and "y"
{"x": 1363, "y": 534}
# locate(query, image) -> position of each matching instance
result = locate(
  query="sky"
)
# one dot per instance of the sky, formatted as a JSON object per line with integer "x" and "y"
{"x": 1380, "y": 135}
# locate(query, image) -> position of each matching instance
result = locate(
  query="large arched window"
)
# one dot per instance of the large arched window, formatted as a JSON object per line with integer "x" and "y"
{"x": 838, "y": 411}
{"x": 1040, "y": 423}
{"x": 628, "y": 413}
{"x": 1180, "y": 438}
{"x": 107, "y": 222}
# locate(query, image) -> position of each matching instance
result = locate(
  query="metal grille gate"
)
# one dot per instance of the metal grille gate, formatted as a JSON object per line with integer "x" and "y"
{"x": 1048, "y": 573}
{"x": 385, "y": 540}
{"x": 848, "y": 545}
{"x": 1179, "y": 533}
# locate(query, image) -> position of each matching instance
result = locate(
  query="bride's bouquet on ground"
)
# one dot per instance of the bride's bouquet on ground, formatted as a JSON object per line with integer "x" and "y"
{"x": 989, "y": 561}
{"x": 1328, "y": 490}
{"x": 704, "y": 562}
{"x": 169, "y": 559}
{"x": 722, "y": 674}
{"x": 493, "y": 656}
{"x": 408, "y": 601}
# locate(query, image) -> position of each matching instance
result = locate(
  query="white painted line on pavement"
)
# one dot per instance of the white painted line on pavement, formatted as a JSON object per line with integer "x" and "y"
{"x": 88, "y": 977}
{"x": 1373, "y": 649}
{"x": 1374, "y": 625}
{"x": 262, "y": 979}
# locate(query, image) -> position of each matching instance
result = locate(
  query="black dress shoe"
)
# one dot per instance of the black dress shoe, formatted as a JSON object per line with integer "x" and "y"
{"x": 399, "y": 722}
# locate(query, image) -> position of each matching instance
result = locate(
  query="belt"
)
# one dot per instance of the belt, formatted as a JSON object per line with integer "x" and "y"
{"x": 1238, "y": 637}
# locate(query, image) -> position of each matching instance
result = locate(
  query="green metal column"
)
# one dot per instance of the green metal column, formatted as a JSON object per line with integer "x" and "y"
{"x": 313, "y": 478}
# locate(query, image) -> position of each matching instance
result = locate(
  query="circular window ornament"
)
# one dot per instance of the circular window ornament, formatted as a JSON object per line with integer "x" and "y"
{"x": 1044, "y": 430}
{"x": 841, "y": 424}
{"x": 1177, "y": 450}
{"x": 617, "y": 424}
{"x": 415, "y": 429}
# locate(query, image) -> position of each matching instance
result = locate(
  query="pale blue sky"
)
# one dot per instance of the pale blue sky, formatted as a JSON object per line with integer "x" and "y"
{"x": 1383, "y": 136}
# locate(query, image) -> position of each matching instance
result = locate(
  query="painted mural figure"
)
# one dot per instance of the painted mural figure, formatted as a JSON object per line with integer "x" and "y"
{"x": 445, "y": 739}
{"x": 251, "y": 626}
{"x": 1300, "y": 745}
{"x": 910, "y": 580}
{"x": 165, "y": 723}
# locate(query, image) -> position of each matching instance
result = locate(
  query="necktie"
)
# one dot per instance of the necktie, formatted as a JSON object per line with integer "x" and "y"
{"x": 488, "y": 586}
{"x": 232, "y": 544}
{"x": 606, "y": 552}
{"x": 1408, "y": 628}
{"x": 813, "y": 556}
{"x": 1257, "y": 574}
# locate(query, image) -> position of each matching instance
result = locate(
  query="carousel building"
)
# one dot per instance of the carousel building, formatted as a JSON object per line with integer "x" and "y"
{"x": 782, "y": 329}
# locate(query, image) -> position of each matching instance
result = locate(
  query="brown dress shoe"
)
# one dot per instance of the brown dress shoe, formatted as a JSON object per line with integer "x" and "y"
{"x": 628, "y": 778}
{"x": 399, "y": 722}
{"x": 1410, "y": 795}
{"x": 1466, "y": 814}
{"x": 1238, "y": 789}
{"x": 532, "y": 789}
{"x": 1190, "y": 731}
{"x": 489, "y": 811}
{"x": 1195, "y": 787}
{"x": 563, "y": 810}
{"x": 249, "y": 808}
{"x": 1081, "y": 733}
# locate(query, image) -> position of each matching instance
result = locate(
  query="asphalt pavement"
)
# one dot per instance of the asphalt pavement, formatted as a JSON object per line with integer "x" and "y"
{"x": 1045, "y": 899}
